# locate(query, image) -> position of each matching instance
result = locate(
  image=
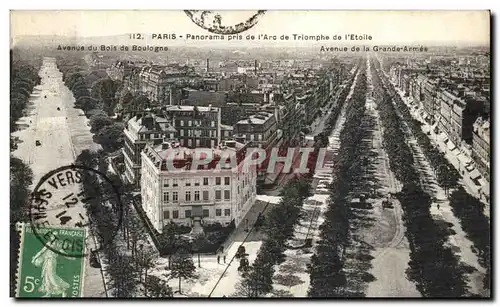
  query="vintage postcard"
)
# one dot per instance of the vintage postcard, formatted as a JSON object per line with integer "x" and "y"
{"x": 223, "y": 154}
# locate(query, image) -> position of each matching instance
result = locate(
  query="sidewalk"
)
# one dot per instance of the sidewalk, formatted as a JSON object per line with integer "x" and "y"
{"x": 454, "y": 158}
{"x": 295, "y": 265}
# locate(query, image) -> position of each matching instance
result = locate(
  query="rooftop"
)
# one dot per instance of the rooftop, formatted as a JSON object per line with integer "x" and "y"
{"x": 259, "y": 118}
{"x": 148, "y": 123}
{"x": 180, "y": 108}
{"x": 182, "y": 157}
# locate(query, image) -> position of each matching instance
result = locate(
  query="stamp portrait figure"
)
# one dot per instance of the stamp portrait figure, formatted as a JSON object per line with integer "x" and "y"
{"x": 51, "y": 283}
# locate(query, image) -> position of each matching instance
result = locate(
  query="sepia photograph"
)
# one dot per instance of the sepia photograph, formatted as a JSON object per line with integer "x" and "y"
{"x": 167, "y": 154}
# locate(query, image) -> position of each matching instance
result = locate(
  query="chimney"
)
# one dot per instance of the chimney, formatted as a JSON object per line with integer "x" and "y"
{"x": 147, "y": 121}
{"x": 208, "y": 65}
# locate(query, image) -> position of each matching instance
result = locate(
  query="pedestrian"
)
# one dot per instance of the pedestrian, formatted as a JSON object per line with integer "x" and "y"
{"x": 224, "y": 258}
{"x": 218, "y": 259}
{"x": 438, "y": 206}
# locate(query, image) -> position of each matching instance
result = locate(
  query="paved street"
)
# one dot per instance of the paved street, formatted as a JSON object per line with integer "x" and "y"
{"x": 457, "y": 238}
{"x": 469, "y": 185}
{"x": 387, "y": 234}
{"x": 63, "y": 134}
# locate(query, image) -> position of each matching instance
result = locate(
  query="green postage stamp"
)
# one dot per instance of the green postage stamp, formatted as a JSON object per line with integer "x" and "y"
{"x": 43, "y": 269}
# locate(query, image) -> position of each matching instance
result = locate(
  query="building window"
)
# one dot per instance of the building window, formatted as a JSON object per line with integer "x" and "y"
{"x": 188, "y": 195}
{"x": 227, "y": 194}
{"x": 187, "y": 214}
{"x": 166, "y": 215}
{"x": 181, "y": 132}
{"x": 182, "y": 123}
{"x": 205, "y": 195}
{"x": 217, "y": 180}
{"x": 189, "y": 123}
{"x": 205, "y": 181}
{"x": 218, "y": 195}
{"x": 175, "y": 214}
{"x": 218, "y": 212}
{"x": 166, "y": 183}
{"x": 226, "y": 180}
{"x": 196, "y": 195}
{"x": 196, "y": 182}
{"x": 165, "y": 197}
{"x": 175, "y": 197}
{"x": 212, "y": 124}
{"x": 174, "y": 182}
{"x": 227, "y": 212}
{"x": 206, "y": 213}
{"x": 188, "y": 183}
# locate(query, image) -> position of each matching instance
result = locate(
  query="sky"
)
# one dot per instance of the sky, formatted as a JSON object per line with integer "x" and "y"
{"x": 457, "y": 27}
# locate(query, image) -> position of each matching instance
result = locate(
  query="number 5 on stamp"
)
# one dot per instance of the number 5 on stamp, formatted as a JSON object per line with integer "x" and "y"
{"x": 42, "y": 271}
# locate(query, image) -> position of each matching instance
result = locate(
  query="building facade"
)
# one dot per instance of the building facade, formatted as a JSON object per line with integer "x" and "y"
{"x": 205, "y": 194}
{"x": 139, "y": 131}
{"x": 196, "y": 126}
{"x": 428, "y": 94}
{"x": 481, "y": 146}
{"x": 260, "y": 130}
{"x": 446, "y": 101}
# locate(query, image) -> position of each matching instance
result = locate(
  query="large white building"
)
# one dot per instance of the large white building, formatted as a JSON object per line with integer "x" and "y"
{"x": 207, "y": 194}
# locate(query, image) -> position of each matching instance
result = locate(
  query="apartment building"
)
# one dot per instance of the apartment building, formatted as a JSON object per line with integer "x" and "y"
{"x": 481, "y": 146}
{"x": 205, "y": 194}
{"x": 197, "y": 126}
{"x": 157, "y": 82}
{"x": 226, "y": 132}
{"x": 293, "y": 117}
{"x": 261, "y": 129}
{"x": 428, "y": 92}
{"x": 139, "y": 131}
{"x": 446, "y": 101}
{"x": 121, "y": 70}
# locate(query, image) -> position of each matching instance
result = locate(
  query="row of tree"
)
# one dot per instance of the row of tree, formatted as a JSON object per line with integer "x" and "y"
{"x": 127, "y": 268}
{"x": 23, "y": 79}
{"x": 321, "y": 140}
{"x": 327, "y": 267}
{"x": 468, "y": 209}
{"x": 113, "y": 222}
{"x": 446, "y": 175}
{"x": 97, "y": 100}
{"x": 279, "y": 227}
{"x": 433, "y": 266}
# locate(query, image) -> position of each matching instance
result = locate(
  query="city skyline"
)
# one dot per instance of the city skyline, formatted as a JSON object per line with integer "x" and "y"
{"x": 413, "y": 27}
